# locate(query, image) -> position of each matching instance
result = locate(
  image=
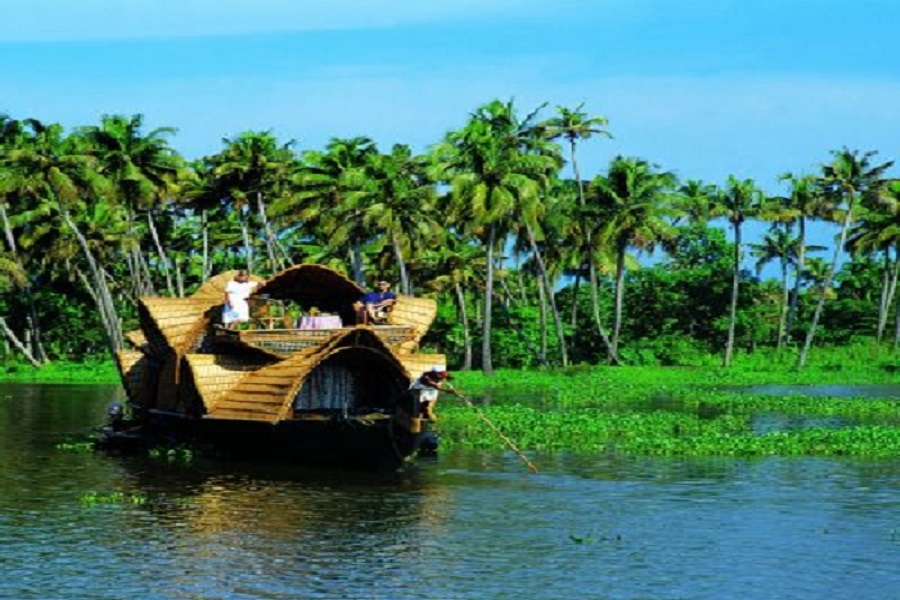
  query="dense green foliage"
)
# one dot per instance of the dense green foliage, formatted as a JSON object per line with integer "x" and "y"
{"x": 703, "y": 411}
{"x": 530, "y": 268}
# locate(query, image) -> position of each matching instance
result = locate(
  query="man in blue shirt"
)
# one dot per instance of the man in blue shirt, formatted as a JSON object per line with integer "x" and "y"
{"x": 379, "y": 303}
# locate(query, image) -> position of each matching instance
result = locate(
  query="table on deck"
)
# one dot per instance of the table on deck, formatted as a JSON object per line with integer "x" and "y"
{"x": 321, "y": 322}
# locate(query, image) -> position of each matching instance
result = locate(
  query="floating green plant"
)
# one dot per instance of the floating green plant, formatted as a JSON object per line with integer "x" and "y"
{"x": 595, "y": 431}
{"x": 173, "y": 454}
{"x": 96, "y": 498}
{"x": 76, "y": 446}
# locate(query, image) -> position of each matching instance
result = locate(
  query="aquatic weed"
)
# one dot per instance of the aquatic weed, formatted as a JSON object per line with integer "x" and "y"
{"x": 97, "y": 498}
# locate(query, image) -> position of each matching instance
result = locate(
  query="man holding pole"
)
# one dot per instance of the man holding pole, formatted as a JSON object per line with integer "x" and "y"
{"x": 427, "y": 388}
{"x": 430, "y": 383}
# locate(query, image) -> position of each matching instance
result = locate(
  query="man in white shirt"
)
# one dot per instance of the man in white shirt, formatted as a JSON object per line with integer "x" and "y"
{"x": 236, "y": 309}
{"x": 427, "y": 387}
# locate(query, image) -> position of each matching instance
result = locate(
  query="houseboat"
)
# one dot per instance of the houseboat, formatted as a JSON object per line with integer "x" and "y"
{"x": 306, "y": 380}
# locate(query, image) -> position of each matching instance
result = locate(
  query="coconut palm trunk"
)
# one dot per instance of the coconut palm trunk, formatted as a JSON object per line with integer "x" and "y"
{"x": 573, "y": 314}
{"x": 163, "y": 257}
{"x": 785, "y": 301}
{"x": 109, "y": 318}
{"x": 23, "y": 348}
{"x": 896, "y": 322}
{"x": 801, "y": 265}
{"x": 735, "y": 291}
{"x": 401, "y": 264}
{"x": 205, "y": 267}
{"x": 612, "y": 356}
{"x": 891, "y": 271}
{"x": 826, "y": 285}
{"x": 464, "y": 318}
{"x": 542, "y": 307}
{"x": 557, "y": 319}
{"x": 620, "y": 295}
{"x": 274, "y": 264}
{"x": 33, "y": 322}
{"x": 248, "y": 246}
{"x": 487, "y": 365}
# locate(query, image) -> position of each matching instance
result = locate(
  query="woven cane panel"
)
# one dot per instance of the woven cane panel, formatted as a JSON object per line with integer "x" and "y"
{"x": 416, "y": 364}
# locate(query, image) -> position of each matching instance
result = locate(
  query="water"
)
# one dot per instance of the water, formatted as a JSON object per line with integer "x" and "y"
{"x": 833, "y": 390}
{"x": 466, "y": 526}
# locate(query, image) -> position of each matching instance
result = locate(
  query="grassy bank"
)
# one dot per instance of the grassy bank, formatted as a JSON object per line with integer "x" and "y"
{"x": 685, "y": 411}
{"x": 97, "y": 372}
{"x": 652, "y": 411}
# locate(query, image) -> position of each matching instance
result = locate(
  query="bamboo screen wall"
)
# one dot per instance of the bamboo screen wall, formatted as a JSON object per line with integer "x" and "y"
{"x": 328, "y": 387}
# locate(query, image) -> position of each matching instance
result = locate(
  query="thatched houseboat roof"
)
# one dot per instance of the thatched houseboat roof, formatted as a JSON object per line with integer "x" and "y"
{"x": 311, "y": 285}
{"x": 266, "y": 394}
{"x": 416, "y": 364}
{"x": 418, "y": 313}
{"x": 174, "y": 324}
{"x": 134, "y": 371}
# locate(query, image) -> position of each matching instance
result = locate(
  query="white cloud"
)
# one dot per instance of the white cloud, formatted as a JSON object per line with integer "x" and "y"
{"x": 60, "y": 20}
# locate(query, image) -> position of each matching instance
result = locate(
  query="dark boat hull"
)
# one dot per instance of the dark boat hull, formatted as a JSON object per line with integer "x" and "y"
{"x": 352, "y": 441}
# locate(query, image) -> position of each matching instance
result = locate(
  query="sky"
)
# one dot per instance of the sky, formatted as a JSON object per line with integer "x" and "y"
{"x": 707, "y": 89}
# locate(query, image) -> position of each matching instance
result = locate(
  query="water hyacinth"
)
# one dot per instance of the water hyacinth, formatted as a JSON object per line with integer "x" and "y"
{"x": 674, "y": 412}
{"x": 96, "y": 498}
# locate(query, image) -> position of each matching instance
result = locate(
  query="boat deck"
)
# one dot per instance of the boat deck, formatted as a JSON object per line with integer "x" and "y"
{"x": 288, "y": 341}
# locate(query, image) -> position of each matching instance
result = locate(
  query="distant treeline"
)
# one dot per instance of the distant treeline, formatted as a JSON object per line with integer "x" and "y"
{"x": 489, "y": 222}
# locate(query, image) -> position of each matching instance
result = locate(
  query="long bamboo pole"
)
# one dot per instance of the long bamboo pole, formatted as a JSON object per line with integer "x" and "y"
{"x": 490, "y": 424}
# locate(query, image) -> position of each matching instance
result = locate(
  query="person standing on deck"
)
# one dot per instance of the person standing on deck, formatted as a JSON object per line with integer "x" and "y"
{"x": 237, "y": 291}
{"x": 379, "y": 303}
{"x": 427, "y": 387}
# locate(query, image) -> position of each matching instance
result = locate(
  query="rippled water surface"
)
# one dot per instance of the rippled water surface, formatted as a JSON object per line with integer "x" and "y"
{"x": 465, "y": 526}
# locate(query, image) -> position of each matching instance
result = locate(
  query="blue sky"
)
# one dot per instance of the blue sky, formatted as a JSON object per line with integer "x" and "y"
{"x": 709, "y": 88}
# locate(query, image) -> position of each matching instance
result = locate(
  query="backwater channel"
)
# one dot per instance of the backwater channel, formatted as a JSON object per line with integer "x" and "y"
{"x": 463, "y": 526}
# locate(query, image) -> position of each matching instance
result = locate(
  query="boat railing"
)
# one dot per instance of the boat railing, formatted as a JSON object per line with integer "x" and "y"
{"x": 290, "y": 340}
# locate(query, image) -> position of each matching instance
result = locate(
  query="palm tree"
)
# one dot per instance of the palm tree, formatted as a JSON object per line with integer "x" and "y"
{"x": 780, "y": 244}
{"x": 55, "y": 169}
{"x": 848, "y": 178}
{"x": 255, "y": 167}
{"x": 401, "y": 204}
{"x": 739, "y": 200}
{"x": 695, "y": 200}
{"x": 496, "y": 167}
{"x": 879, "y": 231}
{"x": 575, "y": 125}
{"x": 143, "y": 171}
{"x": 634, "y": 212}
{"x": 457, "y": 263}
{"x": 331, "y": 194}
{"x": 803, "y": 202}
{"x": 12, "y": 138}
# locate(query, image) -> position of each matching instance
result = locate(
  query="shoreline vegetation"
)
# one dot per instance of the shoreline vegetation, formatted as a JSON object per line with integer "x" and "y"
{"x": 541, "y": 275}
{"x": 532, "y": 263}
{"x": 680, "y": 411}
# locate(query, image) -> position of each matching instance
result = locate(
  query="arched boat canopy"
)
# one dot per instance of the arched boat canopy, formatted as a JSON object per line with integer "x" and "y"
{"x": 267, "y": 393}
{"x": 313, "y": 285}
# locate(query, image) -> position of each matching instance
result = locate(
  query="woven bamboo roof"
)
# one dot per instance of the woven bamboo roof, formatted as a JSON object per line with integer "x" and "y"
{"x": 213, "y": 374}
{"x": 136, "y": 338}
{"x": 416, "y": 364}
{"x": 313, "y": 285}
{"x": 174, "y": 324}
{"x": 133, "y": 368}
{"x": 213, "y": 291}
{"x": 416, "y": 312}
{"x": 266, "y": 394}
